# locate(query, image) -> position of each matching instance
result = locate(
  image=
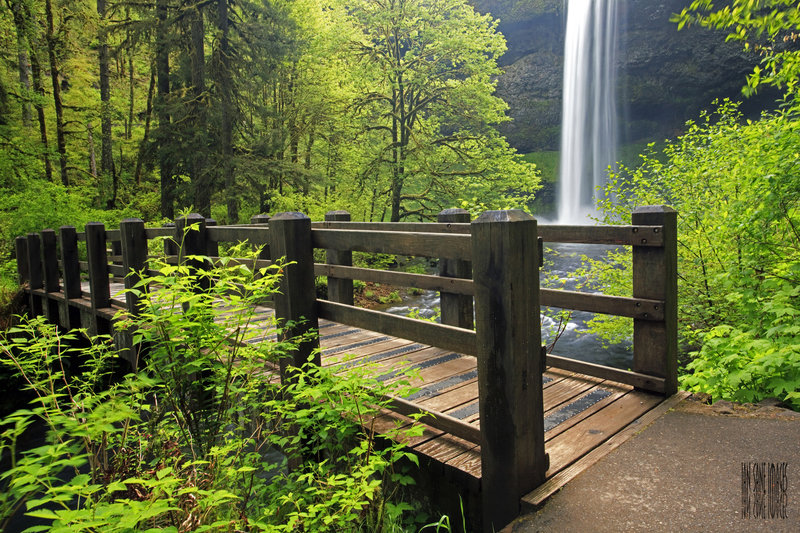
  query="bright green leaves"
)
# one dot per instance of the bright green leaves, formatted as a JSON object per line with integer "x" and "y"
{"x": 735, "y": 186}
{"x": 198, "y": 439}
{"x": 427, "y": 78}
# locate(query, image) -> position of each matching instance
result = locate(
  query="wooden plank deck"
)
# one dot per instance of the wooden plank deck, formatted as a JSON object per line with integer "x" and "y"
{"x": 581, "y": 413}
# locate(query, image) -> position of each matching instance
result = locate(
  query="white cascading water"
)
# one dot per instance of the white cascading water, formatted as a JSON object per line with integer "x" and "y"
{"x": 589, "y": 111}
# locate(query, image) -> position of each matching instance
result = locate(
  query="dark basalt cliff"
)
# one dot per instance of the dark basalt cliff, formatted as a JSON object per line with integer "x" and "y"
{"x": 665, "y": 77}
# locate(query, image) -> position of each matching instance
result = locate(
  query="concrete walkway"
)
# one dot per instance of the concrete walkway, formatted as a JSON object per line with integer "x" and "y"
{"x": 685, "y": 473}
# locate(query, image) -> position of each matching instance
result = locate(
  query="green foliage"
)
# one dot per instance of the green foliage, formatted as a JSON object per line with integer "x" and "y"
{"x": 40, "y": 204}
{"x": 735, "y": 186}
{"x": 426, "y": 78}
{"x": 392, "y": 297}
{"x": 192, "y": 440}
{"x": 748, "y": 363}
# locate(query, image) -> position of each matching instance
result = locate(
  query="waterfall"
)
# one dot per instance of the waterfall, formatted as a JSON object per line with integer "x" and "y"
{"x": 589, "y": 110}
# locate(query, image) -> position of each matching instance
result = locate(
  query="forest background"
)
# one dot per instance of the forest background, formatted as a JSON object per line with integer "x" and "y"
{"x": 238, "y": 107}
{"x": 386, "y": 108}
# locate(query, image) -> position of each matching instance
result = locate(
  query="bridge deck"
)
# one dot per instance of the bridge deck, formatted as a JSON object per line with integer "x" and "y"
{"x": 581, "y": 412}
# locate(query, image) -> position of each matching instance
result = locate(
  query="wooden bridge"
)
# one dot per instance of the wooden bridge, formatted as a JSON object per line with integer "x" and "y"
{"x": 511, "y": 422}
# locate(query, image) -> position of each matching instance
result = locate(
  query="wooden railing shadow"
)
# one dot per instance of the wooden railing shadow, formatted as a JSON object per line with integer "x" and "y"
{"x": 488, "y": 268}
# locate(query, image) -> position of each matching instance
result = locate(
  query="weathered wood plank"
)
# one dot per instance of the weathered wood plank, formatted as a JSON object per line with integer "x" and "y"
{"x": 295, "y": 302}
{"x": 97, "y": 262}
{"x": 253, "y": 235}
{"x": 173, "y": 240}
{"x": 134, "y": 256}
{"x": 97, "y": 259}
{"x": 437, "y": 420}
{"x": 191, "y": 233}
{"x": 236, "y": 261}
{"x": 640, "y": 235}
{"x": 212, "y": 246}
{"x": 456, "y": 308}
{"x": 117, "y": 271}
{"x": 400, "y": 279}
{"x": 421, "y": 244}
{"x": 582, "y": 438}
{"x": 69, "y": 262}
{"x": 340, "y": 290}
{"x": 50, "y": 260}
{"x": 71, "y": 275}
{"x": 51, "y": 277}
{"x": 639, "y": 308}
{"x": 655, "y": 276}
{"x": 444, "y": 448}
{"x": 565, "y": 391}
{"x": 439, "y": 335}
{"x": 411, "y": 227}
{"x": 153, "y": 233}
{"x": 505, "y": 265}
{"x": 615, "y": 394}
{"x": 35, "y": 275}
{"x": 263, "y": 221}
{"x": 535, "y": 498}
{"x": 635, "y": 379}
{"x": 21, "y": 252}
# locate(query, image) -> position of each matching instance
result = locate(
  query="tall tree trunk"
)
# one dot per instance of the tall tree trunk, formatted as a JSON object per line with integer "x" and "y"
{"x": 36, "y": 74}
{"x": 129, "y": 132}
{"x": 225, "y": 84}
{"x": 92, "y": 160}
{"x": 162, "y": 69}
{"x": 200, "y": 176}
{"x": 106, "y": 148}
{"x": 23, "y": 63}
{"x": 137, "y": 174}
{"x": 54, "y": 75}
{"x": 307, "y": 157}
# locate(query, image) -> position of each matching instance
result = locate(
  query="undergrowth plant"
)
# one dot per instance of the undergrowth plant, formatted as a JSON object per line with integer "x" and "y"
{"x": 734, "y": 183}
{"x": 200, "y": 437}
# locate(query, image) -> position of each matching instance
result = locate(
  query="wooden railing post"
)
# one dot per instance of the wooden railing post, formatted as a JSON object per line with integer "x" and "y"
{"x": 116, "y": 251}
{"x": 456, "y": 308}
{"x": 505, "y": 266}
{"x": 265, "y": 250}
{"x": 21, "y": 250}
{"x": 339, "y": 290}
{"x": 133, "y": 242}
{"x": 170, "y": 245}
{"x": 71, "y": 275}
{"x": 35, "y": 281}
{"x": 296, "y": 303}
{"x": 212, "y": 247}
{"x": 655, "y": 276}
{"x": 192, "y": 242}
{"x": 50, "y": 269}
{"x": 97, "y": 255}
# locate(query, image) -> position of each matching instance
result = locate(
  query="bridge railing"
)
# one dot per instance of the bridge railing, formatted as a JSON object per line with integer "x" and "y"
{"x": 488, "y": 268}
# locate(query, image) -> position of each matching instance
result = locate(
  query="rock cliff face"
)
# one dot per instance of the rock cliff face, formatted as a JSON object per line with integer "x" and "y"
{"x": 665, "y": 77}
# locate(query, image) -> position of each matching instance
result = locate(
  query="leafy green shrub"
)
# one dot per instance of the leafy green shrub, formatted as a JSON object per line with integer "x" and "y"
{"x": 200, "y": 437}
{"x": 748, "y": 364}
{"x": 735, "y": 186}
{"x": 392, "y": 297}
